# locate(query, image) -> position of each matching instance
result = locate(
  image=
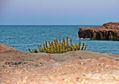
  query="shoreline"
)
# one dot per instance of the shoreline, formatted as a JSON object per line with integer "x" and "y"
{"x": 24, "y": 38}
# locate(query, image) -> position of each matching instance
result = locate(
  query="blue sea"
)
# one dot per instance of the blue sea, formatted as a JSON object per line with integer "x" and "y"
{"x": 23, "y": 37}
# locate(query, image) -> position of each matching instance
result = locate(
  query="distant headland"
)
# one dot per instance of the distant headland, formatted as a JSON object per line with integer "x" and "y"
{"x": 108, "y": 31}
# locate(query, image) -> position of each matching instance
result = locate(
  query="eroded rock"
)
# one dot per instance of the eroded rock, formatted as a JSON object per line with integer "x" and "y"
{"x": 108, "y": 31}
{"x": 74, "y": 67}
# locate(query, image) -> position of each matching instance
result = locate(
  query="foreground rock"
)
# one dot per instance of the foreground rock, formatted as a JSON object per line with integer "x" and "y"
{"x": 77, "y": 67}
{"x": 5, "y": 48}
{"x": 109, "y": 31}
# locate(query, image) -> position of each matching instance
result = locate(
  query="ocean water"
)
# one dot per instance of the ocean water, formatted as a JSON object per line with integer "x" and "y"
{"x": 24, "y": 37}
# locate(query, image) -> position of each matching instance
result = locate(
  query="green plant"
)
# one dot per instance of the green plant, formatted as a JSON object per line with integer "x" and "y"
{"x": 60, "y": 46}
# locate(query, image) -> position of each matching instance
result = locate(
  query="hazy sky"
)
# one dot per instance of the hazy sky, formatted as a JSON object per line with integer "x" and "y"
{"x": 58, "y": 12}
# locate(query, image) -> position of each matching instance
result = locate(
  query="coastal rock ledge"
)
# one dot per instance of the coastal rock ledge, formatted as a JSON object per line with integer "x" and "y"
{"x": 74, "y": 67}
{"x": 108, "y": 31}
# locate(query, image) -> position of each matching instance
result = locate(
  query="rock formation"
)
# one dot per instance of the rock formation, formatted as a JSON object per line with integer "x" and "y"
{"x": 74, "y": 67}
{"x": 108, "y": 31}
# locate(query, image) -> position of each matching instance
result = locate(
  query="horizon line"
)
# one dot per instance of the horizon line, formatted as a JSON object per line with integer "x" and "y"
{"x": 45, "y": 24}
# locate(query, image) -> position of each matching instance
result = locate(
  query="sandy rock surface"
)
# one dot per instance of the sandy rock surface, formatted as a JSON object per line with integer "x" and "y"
{"x": 75, "y": 67}
{"x": 5, "y": 48}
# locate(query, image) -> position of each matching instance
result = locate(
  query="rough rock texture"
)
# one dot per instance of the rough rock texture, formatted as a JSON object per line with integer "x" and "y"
{"x": 5, "y": 48}
{"x": 109, "y": 31}
{"x": 76, "y": 67}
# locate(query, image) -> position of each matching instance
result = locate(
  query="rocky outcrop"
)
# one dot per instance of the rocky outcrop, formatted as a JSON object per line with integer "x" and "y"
{"x": 108, "y": 31}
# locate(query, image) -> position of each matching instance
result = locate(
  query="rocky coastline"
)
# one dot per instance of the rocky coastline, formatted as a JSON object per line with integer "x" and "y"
{"x": 74, "y": 67}
{"x": 108, "y": 31}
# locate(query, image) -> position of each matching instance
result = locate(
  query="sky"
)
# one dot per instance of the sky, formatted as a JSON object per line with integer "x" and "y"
{"x": 58, "y": 12}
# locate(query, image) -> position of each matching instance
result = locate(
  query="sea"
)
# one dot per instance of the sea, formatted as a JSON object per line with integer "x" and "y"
{"x": 23, "y": 37}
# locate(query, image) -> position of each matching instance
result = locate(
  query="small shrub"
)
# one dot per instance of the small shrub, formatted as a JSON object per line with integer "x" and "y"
{"x": 59, "y": 46}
